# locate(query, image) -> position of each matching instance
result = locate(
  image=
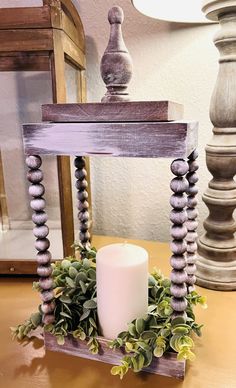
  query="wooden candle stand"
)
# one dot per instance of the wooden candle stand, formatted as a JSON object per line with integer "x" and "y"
{"x": 117, "y": 127}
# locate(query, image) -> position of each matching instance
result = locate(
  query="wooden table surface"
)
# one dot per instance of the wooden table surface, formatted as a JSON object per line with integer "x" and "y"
{"x": 30, "y": 367}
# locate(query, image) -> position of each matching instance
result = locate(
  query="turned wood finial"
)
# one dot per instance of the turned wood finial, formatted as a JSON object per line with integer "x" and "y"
{"x": 116, "y": 63}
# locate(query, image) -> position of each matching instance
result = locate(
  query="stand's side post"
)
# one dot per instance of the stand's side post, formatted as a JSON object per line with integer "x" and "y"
{"x": 178, "y": 217}
{"x": 39, "y": 217}
{"x": 192, "y": 223}
{"x": 82, "y": 196}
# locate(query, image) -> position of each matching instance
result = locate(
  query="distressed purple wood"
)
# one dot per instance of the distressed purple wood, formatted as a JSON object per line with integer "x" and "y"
{"x": 166, "y": 365}
{"x": 148, "y": 139}
{"x": 121, "y": 111}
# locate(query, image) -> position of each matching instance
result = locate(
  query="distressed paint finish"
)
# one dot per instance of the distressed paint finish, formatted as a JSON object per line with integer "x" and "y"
{"x": 116, "y": 64}
{"x": 166, "y": 365}
{"x": 147, "y": 139}
{"x": 124, "y": 111}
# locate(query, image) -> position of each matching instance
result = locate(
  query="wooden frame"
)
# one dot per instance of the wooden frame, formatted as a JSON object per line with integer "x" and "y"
{"x": 42, "y": 38}
{"x": 76, "y": 131}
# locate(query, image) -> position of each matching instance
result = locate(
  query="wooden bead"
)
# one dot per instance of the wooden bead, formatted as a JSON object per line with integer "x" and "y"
{"x": 192, "y": 189}
{"x": 44, "y": 270}
{"x": 191, "y": 258}
{"x": 33, "y": 161}
{"x": 179, "y": 304}
{"x": 192, "y": 213}
{"x": 192, "y": 247}
{"x": 48, "y": 307}
{"x": 178, "y": 232}
{"x": 83, "y": 205}
{"x": 48, "y": 319}
{"x": 80, "y": 174}
{"x": 178, "y": 290}
{"x": 193, "y": 166}
{"x": 84, "y": 236}
{"x": 43, "y": 257}
{"x": 193, "y": 155}
{"x": 191, "y": 269}
{"x": 37, "y": 204}
{"x": 41, "y": 231}
{"x": 191, "y": 237}
{"x": 192, "y": 201}
{"x": 178, "y": 262}
{"x": 39, "y": 218}
{"x": 35, "y": 176}
{"x": 84, "y": 226}
{"x": 178, "y": 247}
{"x": 42, "y": 244}
{"x": 83, "y": 216}
{"x": 81, "y": 185}
{"x": 178, "y": 201}
{"x": 179, "y": 167}
{"x": 36, "y": 190}
{"x": 178, "y": 276}
{"x": 191, "y": 225}
{"x": 192, "y": 177}
{"x": 46, "y": 283}
{"x": 181, "y": 314}
{"x": 79, "y": 162}
{"x": 191, "y": 280}
{"x": 47, "y": 296}
{"x": 82, "y": 195}
{"x": 179, "y": 185}
{"x": 178, "y": 216}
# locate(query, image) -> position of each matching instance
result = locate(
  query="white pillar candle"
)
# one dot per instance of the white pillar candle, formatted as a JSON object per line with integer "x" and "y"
{"x": 122, "y": 286}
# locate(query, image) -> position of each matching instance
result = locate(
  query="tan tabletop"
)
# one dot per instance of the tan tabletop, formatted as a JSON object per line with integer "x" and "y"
{"x": 30, "y": 367}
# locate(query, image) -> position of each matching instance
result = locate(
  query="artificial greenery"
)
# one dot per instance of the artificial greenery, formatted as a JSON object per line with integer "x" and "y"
{"x": 74, "y": 283}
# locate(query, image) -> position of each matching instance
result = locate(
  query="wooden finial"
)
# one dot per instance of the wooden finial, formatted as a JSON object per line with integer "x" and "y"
{"x": 116, "y": 63}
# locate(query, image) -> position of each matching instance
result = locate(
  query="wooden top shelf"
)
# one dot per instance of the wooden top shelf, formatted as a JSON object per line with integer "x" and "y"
{"x": 126, "y": 129}
{"x": 113, "y": 112}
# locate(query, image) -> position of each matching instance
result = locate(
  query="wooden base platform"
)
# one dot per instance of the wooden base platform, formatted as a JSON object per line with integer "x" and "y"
{"x": 165, "y": 366}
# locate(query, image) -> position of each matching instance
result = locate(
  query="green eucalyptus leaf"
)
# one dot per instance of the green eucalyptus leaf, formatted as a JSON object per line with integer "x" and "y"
{"x": 131, "y": 329}
{"x": 70, "y": 282}
{"x": 86, "y": 263}
{"x": 36, "y": 319}
{"x": 63, "y": 314}
{"x": 91, "y": 274}
{"x": 158, "y": 351}
{"x": 65, "y": 299}
{"x": 85, "y": 315}
{"x": 83, "y": 286}
{"x": 65, "y": 264}
{"x": 60, "y": 340}
{"x": 178, "y": 321}
{"x": 149, "y": 334}
{"x": 92, "y": 322}
{"x": 73, "y": 272}
{"x": 90, "y": 304}
{"x": 140, "y": 325}
{"x": 80, "y": 277}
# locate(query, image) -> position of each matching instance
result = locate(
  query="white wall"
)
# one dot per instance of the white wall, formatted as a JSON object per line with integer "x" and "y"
{"x": 171, "y": 61}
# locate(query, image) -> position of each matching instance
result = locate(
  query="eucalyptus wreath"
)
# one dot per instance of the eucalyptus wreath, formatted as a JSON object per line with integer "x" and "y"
{"x": 74, "y": 283}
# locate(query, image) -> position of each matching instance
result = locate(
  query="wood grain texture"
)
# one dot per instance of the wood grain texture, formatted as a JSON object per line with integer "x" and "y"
{"x": 151, "y": 139}
{"x": 26, "y": 40}
{"x": 25, "y": 17}
{"x": 166, "y": 365}
{"x": 122, "y": 111}
{"x": 24, "y": 62}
